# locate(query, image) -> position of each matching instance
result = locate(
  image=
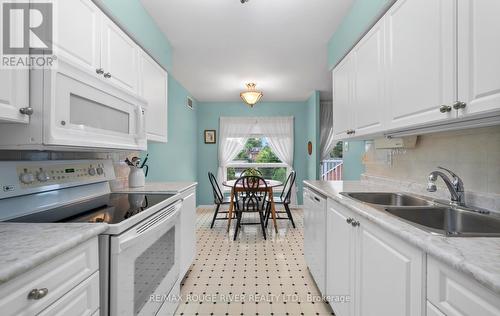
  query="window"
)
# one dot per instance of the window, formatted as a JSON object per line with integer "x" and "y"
{"x": 257, "y": 154}
{"x": 331, "y": 169}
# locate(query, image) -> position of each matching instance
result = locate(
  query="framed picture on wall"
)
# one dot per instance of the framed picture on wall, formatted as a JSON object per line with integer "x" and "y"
{"x": 210, "y": 137}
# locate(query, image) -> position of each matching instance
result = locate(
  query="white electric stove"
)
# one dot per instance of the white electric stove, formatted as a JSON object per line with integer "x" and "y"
{"x": 138, "y": 254}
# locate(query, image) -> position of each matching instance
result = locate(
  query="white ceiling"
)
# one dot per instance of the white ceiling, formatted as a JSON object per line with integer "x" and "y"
{"x": 219, "y": 45}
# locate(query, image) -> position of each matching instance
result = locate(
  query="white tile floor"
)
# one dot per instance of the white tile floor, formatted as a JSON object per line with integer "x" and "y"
{"x": 250, "y": 276}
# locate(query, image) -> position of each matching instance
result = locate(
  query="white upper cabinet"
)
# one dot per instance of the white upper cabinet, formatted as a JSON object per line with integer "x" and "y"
{"x": 369, "y": 78}
{"x": 79, "y": 36}
{"x": 153, "y": 88}
{"x": 342, "y": 98}
{"x": 421, "y": 61}
{"x": 14, "y": 95}
{"x": 478, "y": 56}
{"x": 119, "y": 57}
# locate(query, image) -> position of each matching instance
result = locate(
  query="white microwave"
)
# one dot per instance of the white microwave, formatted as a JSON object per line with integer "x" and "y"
{"x": 73, "y": 110}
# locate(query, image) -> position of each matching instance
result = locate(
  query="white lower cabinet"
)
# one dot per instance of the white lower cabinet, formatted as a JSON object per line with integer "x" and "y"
{"x": 369, "y": 271}
{"x": 455, "y": 294}
{"x": 340, "y": 260}
{"x": 70, "y": 283}
{"x": 390, "y": 277}
{"x": 81, "y": 301}
{"x": 188, "y": 231}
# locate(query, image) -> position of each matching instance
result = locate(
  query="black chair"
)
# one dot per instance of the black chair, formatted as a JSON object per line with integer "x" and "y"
{"x": 250, "y": 197}
{"x": 219, "y": 199}
{"x": 283, "y": 199}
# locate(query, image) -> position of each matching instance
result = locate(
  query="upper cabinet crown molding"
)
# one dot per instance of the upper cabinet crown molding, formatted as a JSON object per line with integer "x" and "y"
{"x": 439, "y": 67}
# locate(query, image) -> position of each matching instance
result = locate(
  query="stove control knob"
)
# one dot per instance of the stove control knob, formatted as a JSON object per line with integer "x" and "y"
{"x": 43, "y": 176}
{"x": 100, "y": 171}
{"x": 92, "y": 171}
{"x": 27, "y": 178}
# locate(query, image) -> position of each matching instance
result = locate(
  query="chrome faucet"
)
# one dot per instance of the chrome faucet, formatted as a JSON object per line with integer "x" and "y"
{"x": 456, "y": 185}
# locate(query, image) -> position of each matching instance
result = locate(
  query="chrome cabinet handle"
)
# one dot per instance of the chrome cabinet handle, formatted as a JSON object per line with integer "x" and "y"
{"x": 459, "y": 105}
{"x": 37, "y": 294}
{"x": 445, "y": 108}
{"x": 26, "y": 111}
{"x": 99, "y": 71}
{"x": 355, "y": 223}
{"x": 107, "y": 75}
{"x": 349, "y": 220}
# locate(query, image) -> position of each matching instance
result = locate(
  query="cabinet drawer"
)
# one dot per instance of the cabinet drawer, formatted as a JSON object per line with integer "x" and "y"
{"x": 58, "y": 275}
{"x": 83, "y": 300}
{"x": 456, "y": 294}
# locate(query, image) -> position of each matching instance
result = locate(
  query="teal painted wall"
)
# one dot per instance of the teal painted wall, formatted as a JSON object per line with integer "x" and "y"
{"x": 132, "y": 16}
{"x": 353, "y": 165}
{"x": 208, "y": 118}
{"x": 177, "y": 159}
{"x": 358, "y": 20}
{"x": 313, "y": 135}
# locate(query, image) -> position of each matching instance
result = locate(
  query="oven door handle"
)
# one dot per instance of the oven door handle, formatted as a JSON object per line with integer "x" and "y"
{"x": 149, "y": 227}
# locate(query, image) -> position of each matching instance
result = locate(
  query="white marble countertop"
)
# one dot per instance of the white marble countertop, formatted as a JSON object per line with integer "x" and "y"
{"x": 478, "y": 257}
{"x": 159, "y": 187}
{"x": 24, "y": 246}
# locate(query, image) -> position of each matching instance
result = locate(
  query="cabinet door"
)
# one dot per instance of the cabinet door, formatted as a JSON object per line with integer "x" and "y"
{"x": 457, "y": 294}
{"x": 14, "y": 95}
{"x": 119, "y": 57}
{"x": 188, "y": 233}
{"x": 79, "y": 38}
{"x": 340, "y": 261}
{"x": 391, "y": 273}
{"x": 368, "y": 104}
{"x": 478, "y": 53}
{"x": 421, "y": 61}
{"x": 153, "y": 88}
{"x": 342, "y": 98}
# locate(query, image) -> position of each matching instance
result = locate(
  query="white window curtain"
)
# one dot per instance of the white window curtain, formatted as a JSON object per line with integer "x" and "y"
{"x": 234, "y": 132}
{"x": 327, "y": 141}
{"x": 279, "y": 132}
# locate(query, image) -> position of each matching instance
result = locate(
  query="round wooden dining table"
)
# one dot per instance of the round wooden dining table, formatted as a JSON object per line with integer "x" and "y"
{"x": 270, "y": 185}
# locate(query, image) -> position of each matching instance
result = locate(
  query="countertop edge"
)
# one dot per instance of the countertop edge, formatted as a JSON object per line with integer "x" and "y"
{"x": 482, "y": 276}
{"x": 22, "y": 266}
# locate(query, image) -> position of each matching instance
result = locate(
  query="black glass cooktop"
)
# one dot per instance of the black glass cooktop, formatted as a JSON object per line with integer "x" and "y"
{"x": 110, "y": 208}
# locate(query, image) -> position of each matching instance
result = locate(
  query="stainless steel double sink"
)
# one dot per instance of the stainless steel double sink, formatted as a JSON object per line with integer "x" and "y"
{"x": 432, "y": 216}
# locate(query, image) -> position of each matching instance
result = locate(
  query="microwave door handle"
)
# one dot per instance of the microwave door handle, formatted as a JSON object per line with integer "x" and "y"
{"x": 134, "y": 237}
{"x": 141, "y": 124}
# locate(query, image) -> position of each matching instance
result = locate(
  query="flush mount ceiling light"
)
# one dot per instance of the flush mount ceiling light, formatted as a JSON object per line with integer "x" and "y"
{"x": 251, "y": 96}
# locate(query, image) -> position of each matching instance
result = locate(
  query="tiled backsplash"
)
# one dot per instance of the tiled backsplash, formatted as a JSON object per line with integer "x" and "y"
{"x": 473, "y": 154}
{"x": 118, "y": 158}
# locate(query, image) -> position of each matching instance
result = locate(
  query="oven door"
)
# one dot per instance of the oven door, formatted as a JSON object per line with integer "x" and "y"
{"x": 144, "y": 264}
{"x": 85, "y": 111}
